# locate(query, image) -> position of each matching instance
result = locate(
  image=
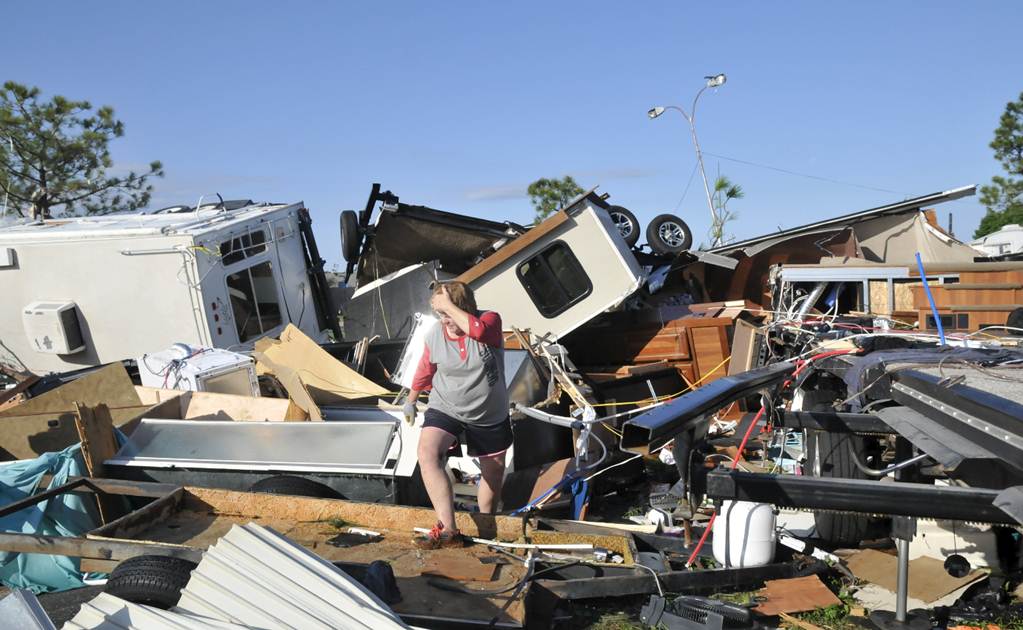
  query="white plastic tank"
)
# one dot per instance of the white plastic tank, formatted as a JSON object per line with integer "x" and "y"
{"x": 747, "y": 531}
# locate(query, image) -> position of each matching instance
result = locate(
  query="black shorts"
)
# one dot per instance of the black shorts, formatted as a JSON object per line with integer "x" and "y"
{"x": 483, "y": 441}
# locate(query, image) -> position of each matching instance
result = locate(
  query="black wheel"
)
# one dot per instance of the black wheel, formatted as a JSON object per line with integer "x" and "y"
{"x": 626, "y": 223}
{"x": 350, "y": 240}
{"x": 151, "y": 580}
{"x": 1015, "y": 321}
{"x": 668, "y": 234}
{"x": 295, "y": 486}
{"x": 828, "y": 455}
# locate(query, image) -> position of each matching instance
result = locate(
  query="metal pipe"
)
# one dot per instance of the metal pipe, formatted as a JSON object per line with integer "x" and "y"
{"x": 811, "y": 299}
{"x": 875, "y": 472}
{"x": 902, "y": 592}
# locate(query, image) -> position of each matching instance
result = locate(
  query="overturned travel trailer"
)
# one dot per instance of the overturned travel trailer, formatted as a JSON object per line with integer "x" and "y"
{"x": 219, "y": 275}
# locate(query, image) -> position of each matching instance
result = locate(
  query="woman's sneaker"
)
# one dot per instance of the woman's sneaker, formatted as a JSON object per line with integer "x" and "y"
{"x": 438, "y": 538}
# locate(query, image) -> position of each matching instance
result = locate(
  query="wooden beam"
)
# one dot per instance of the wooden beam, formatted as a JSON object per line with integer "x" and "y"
{"x": 103, "y": 549}
{"x": 96, "y": 431}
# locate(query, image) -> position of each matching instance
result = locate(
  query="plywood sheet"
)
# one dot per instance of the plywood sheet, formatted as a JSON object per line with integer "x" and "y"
{"x": 454, "y": 564}
{"x": 795, "y": 595}
{"x": 46, "y": 423}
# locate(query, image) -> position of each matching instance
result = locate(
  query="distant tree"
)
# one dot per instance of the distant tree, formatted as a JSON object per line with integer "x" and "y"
{"x": 548, "y": 195}
{"x": 54, "y": 157}
{"x": 724, "y": 191}
{"x": 1004, "y": 196}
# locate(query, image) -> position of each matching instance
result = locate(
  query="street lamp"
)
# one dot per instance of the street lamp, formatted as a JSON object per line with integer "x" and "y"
{"x": 713, "y": 81}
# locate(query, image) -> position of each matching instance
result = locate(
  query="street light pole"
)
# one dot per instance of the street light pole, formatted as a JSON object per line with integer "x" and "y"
{"x": 712, "y": 81}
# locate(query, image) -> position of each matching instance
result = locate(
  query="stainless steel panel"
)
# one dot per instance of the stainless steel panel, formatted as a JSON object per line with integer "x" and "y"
{"x": 310, "y": 446}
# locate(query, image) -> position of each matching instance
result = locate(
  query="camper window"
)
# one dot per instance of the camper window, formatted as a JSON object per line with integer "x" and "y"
{"x": 254, "y": 302}
{"x": 554, "y": 279}
{"x": 241, "y": 247}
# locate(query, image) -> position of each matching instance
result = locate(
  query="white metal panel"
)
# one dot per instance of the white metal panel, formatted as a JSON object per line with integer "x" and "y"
{"x": 107, "y": 612}
{"x": 255, "y": 576}
{"x": 612, "y": 270}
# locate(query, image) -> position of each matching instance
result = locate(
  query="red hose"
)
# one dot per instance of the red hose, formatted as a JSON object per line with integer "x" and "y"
{"x": 749, "y": 431}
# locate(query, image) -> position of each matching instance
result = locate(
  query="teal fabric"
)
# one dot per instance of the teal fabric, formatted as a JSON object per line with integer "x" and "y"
{"x": 64, "y": 515}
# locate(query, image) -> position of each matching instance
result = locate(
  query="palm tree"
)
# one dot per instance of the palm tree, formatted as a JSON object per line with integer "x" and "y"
{"x": 724, "y": 191}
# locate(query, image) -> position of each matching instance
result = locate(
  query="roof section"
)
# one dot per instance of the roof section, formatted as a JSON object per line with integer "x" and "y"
{"x": 137, "y": 224}
{"x": 900, "y": 207}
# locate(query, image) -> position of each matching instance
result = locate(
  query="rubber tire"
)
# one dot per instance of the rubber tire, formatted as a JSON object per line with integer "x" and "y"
{"x": 836, "y": 462}
{"x": 658, "y": 245}
{"x": 295, "y": 486}
{"x": 1015, "y": 320}
{"x": 350, "y": 241}
{"x": 150, "y": 580}
{"x": 629, "y": 222}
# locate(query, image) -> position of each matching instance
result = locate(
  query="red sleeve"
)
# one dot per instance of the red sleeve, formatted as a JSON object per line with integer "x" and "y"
{"x": 486, "y": 328}
{"x": 424, "y": 371}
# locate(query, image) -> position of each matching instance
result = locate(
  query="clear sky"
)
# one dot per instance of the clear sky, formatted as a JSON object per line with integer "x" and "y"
{"x": 459, "y": 106}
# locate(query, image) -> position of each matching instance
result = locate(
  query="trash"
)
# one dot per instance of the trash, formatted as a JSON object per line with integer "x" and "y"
{"x": 928, "y": 580}
{"x": 199, "y": 369}
{"x": 795, "y": 595}
{"x": 312, "y": 377}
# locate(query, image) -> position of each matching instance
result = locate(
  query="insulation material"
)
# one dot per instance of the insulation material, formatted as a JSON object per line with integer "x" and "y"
{"x": 257, "y": 577}
{"x": 896, "y": 239}
{"x": 312, "y": 377}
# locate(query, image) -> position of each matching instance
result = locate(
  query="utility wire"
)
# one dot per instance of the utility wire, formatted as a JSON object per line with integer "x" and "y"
{"x": 823, "y": 179}
{"x": 686, "y": 191}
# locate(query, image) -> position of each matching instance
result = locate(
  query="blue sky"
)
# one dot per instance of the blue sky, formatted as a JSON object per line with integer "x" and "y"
{"x": 459, "y": 106}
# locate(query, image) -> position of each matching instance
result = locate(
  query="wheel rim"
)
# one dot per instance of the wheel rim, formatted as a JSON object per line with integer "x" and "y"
{"x": 623, "y": 224}
{"x": 672, "y": 234}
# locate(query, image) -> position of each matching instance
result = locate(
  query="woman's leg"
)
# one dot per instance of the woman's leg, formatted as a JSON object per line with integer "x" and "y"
{"x": 433, "y": 444}
{"x": 491, "y": 480}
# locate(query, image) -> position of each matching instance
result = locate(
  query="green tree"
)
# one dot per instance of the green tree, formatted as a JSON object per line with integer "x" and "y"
{"x": 724, "y": 191}
{"x": 548, "y": 195}
{"x": 1004, "y": 196}
{"x": 54, "y": 157}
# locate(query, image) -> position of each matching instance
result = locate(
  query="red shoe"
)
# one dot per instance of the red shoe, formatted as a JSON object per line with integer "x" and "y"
{"x": 439, "y": 538}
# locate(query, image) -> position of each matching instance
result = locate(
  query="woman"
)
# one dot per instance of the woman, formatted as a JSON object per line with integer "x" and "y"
{"x": 463, "y": 366}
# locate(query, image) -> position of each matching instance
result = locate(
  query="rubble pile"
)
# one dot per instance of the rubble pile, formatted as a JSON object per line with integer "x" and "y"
{"x": 820, "y": 427}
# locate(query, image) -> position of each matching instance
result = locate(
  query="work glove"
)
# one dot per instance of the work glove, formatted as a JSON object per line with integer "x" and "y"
{"x": 410, "y": 411}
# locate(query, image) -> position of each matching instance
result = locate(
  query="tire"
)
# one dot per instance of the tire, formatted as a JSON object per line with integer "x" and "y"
{"x": 350, "y": 237}
{"x": 295, "y": 486}
{"x": 627, "y": 224}
{"x": 827, "y": 455}
{"x": 668, "y": 234}
{"x": 1015, "y": 320}
{"x": 150, "y": 580}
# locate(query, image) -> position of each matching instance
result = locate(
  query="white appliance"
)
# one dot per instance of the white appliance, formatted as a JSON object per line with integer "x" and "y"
{"x": 200, "y": 369}
{"x": 52, "y": 327}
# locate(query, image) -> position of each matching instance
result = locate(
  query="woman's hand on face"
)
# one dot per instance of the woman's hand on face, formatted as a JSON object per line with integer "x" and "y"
{"x": 441, "y": 302}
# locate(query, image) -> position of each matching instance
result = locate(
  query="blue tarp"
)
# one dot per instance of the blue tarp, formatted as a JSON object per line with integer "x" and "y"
{"x": 64, "y": 515}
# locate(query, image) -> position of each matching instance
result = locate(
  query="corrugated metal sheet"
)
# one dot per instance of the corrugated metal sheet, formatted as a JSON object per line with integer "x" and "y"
{"x": 256, "y": 577}
{"x": 106, "y": 612}
{"x": 252, "y": 578}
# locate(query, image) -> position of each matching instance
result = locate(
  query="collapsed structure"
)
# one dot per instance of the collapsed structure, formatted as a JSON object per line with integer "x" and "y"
{"x": 873, "y": 353}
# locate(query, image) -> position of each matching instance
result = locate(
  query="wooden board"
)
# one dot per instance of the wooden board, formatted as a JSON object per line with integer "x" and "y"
{"x": 46, "y": 423}
{"x": 795, "y": 595}
{"x": 456, "y": 565}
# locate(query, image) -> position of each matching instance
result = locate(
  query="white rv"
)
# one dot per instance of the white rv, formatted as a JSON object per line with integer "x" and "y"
{"x": 84, "y": 291}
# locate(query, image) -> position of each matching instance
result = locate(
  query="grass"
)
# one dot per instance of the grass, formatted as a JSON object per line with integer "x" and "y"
{"x": 337, "y": 523}
{"x": 619, "y": 613}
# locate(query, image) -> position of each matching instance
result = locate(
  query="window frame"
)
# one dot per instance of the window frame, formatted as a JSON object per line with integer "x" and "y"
{"x": 542, "y": 259}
